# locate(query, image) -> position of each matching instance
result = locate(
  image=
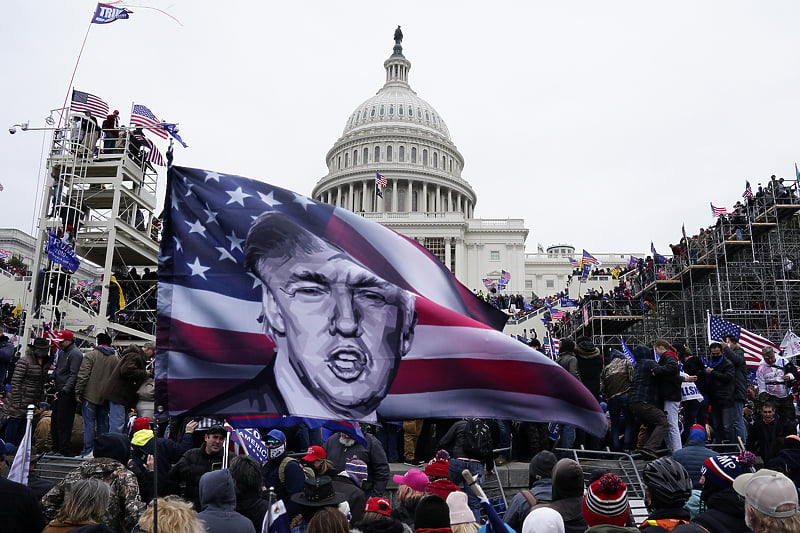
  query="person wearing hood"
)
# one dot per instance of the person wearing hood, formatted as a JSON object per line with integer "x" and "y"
{"x": 540, "y": 482}
{"x": 720, "y": 377}
{"x": 694, "y": 453}
{"x": 218, "y": 504}
{"x": 27, "y": 387}
{"x": 349, "y": 483}
{"x": 143, "y": 443}
{"x": 590, "y": 368}
{"x": 543, "y": 520}
{"x": 644, "y": 404}
{"x": 95, "y": 371}
{"x": 112, "y": 453}
{"x": 616, "y": 382}
{"x": 725, "y": 510}
{"x": 567, "y": 495}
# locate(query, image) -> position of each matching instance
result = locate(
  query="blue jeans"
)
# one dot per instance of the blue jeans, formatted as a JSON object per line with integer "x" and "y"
{"x": 476, "y": 469}
{"x": 118, "y": 418}
{"x": 93, "y": 414}
{"x": 504, "y": 431}
{"x": 387, "y": 436}
{"x": 567, "y": 436}
{"x": 723, "y": 424}
{"x": 739, "y": 425}
{"x": 15, "y": 429}
{"x": 621, "y": 422}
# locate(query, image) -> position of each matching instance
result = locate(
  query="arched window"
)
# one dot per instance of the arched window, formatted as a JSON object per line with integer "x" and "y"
{"x": 402, "y": 154}
{"x": 451, "y": 165}
{"x": 401, "y": 201}
{"x": 389, "y": 153}
{"x": 400, "y": 110}
{"x": 366, "y": 156}
{"x": 382, "y": 110}
{"x": 391, "y": 109}
{"x": 413, "y": 155}
{"x": 425, "y": 157}
{"x": 372, "y": 113}
{"x": 377, "y": 154}
{"x": 387, "y": 200}
{"x": 338, "y": 162}
{"x": 355, "y": 157}
{"x": 435, "y": 160}
{"x": 346, "y": 159}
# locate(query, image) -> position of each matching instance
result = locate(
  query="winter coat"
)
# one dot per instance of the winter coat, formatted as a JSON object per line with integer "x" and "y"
{"x": 57, "y": 526}
{"x": 568, "y": 495}
{"x": 21, "y": 512}
{"x": 6, "y": 353}
{"x": 720, "y": 383}
{"x": 569, "y": 362}
{"x": 66, "y": 372}
{"x": 668, "y": 377}
{"x": 741, "y": 376}
{"x": 372, "y": 454}
{"x": 691, "y": 457}
{"x": 127, "y": 377}
{"x": 590, "y": 367}
{"x": 725, "y": 513}
{"x": 42, "y": 438}
{"x": 254, "y": 508}
{"x": 190, "y": 468}
{"x": 27, "y": 384}
{"x": 356, "y": 498}
{"x": 617, "y": 377}
{"x": 378, "y": 526}
{"x": 644, "y": 387}
{"x": 125, "y": 505}
{"x": 169, "y": 453}
{"x": 294, "y": 480}
{"x": 519, "y": 507}
{"x": 95, "y": 371}
{"x": 218, "y": 501}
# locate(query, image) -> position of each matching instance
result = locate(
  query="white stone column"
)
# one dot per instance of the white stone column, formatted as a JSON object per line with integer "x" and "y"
{"x": 394, "y": 196}
{"x": 460, "y": 263}
{"x": 351, "y": 200}
{"x": 449, "y": 199}
{"x": 364, "y": 203}
{"x": 410, "y": 199}
{"x": 437, "y": 206}
{"x": 447, "y": 252}
{"x": 424, "y": 207}
{"x": 339, "y": 196}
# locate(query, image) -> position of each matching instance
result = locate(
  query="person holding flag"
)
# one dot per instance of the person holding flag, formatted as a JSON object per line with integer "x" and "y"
{"x": 774, "y": 379}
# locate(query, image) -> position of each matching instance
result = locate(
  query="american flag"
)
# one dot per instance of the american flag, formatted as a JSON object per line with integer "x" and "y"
{"x": 574, "y": 263}
{"x": 142, "y": 116}
{"x": 381, "y": 180}
{"x": 750, "y": 342}
{"x": 210, "y": 340}
{"x": 557, "y": 314}
{"x": 588, "y": 259}
{"x": 551, "y": 346}
{"x": 82, "y": 102}
{"x": 748, "y": 191}
{"x": 504, "y": 275}
{"x": 153, "y": 154}
{"x": 717, "y": 211}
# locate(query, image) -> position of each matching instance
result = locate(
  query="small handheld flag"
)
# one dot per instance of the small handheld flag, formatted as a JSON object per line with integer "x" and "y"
{"x": 748, "y": 191}
{"x": 106, "y": 13}
{"x": 142, "y": 116}
{"x": 718, "y": 211}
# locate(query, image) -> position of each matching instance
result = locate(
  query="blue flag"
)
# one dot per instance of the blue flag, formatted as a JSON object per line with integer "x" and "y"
{"x": 585, "y": 273}
{"x": 627, "y": 351}
{"x": 59, "y": 252}
{"x": 172, "y": 129}
{"x": 106, "y": 13}
{"x": 569, "y": 302}
{"x": 276, "y": 520}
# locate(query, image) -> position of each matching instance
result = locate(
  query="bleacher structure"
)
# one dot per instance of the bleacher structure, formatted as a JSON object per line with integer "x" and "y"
{"x": 746, "y": 270}
{"x": 102, "y": 201}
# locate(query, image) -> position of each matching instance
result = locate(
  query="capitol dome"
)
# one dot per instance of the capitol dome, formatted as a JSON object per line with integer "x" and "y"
{"x": 400, "y": 137}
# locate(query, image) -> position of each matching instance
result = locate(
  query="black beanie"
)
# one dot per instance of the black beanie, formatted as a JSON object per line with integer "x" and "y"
{"x": 104, "y": 339}
{"x": 114, "y": 446}
{"x": 542, "y": 464}
{"x": 432, "y": 512}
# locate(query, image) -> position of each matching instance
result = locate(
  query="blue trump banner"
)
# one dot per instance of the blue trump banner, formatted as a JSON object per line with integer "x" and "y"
{"x": 59, "y": 252}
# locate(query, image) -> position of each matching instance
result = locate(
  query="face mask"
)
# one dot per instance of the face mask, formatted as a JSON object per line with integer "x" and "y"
{"x": 276, "y": 451}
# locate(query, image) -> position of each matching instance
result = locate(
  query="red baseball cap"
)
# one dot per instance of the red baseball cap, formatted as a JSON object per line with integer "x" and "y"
{"x": 314, "y": 453}
{"x": 64, "y": 335}
{"x": 379, "y": 505}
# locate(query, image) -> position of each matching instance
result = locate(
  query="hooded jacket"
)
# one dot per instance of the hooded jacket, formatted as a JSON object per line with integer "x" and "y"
{"x": 568, "y": 495}
{"x": 191, "y": 467}
{"x": 643, "y": 388}
{"x": 725, "y": 512}
{"x": 66, "y": 372}
{"x": 669, "y": 377}
{"x": 127, "y": 377}
{"x": 95, "y": 371}
{"x": 590, "y": 366}
{"x": 218, "y": 501}
{"x": 125, "y": 505}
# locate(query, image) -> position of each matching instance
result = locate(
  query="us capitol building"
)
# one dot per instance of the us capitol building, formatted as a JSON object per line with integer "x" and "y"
{"x": 401, "y": 136}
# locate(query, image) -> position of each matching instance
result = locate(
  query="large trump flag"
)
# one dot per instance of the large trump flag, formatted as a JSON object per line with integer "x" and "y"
{"x": 213, "y": 344}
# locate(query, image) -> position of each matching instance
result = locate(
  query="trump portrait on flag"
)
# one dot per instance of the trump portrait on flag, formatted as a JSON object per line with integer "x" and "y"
{"x": 273, "y": 303}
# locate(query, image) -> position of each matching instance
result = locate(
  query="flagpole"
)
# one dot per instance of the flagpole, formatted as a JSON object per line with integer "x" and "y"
{"x": 74, "y": 71}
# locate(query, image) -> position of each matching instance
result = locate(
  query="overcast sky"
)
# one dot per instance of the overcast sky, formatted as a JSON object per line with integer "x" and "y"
{"x": 603, "y": 124}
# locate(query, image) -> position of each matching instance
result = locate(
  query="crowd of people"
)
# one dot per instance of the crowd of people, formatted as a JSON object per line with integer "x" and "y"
{"x": 341, "y": 483}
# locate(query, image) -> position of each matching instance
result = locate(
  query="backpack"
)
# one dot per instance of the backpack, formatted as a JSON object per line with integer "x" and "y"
{"x": 308, "y": 472}
{"x": 477, "y": 439}
{"x": 617, "y": 377}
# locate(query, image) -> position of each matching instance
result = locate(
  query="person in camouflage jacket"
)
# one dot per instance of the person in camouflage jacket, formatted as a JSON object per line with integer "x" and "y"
{"x": 112, "y": 452}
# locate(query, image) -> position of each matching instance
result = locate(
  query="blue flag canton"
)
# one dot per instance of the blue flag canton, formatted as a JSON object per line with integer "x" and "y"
{"x": 208, "y": 218}
{"x": 718, "y": 327}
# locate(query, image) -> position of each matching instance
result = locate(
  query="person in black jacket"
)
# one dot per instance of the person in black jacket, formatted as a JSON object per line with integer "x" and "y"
{"x": 246, "y": 474}
{"x": 196, "y": 462}
{"x": 349, "y": 483}
{"x": 669, "y": 380}
{"x": 694, "y": 411}
{"x": 644, "y": 405}
{"x": 143, "y": 443}
{"x": 719, "y": 379}
{"x": 735, "y": 354}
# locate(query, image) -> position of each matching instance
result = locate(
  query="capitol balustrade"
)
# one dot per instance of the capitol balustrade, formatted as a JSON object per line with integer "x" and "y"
{"x": 415, "y": 216}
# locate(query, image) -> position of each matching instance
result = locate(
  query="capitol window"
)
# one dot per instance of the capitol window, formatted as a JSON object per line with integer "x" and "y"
{"x": 400, "y": 111}
{"x": 427, "y": 117}
{"x": 413, "y": 155}
{"x": 366, "y": 156}
{"x": 391, "y": 110}
{"x": 424, "y": 157}
{"x": 377, "y": 154}
{"x": 494, "y": 255}
{"x": 372, "y": 114}
{"x": 419, "y": 113}
{"x": 382, "y": 111}
{"x": 435, "y": 160}
{"x": 355, "y": 157}
{"x": 346, "y": 159}
{"x": 402, "y": 154}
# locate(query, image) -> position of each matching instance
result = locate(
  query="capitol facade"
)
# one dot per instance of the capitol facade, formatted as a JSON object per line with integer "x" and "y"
{"x": 403, "y": 138}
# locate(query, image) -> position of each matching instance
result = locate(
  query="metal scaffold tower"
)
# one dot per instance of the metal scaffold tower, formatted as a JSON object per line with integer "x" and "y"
{"x": 99, "y": 201}
{"x": 745, "y": 269}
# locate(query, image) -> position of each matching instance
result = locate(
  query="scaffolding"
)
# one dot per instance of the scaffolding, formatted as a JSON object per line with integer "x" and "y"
{"x": 744, "y": 269}
{"x": 99, "y": 200}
